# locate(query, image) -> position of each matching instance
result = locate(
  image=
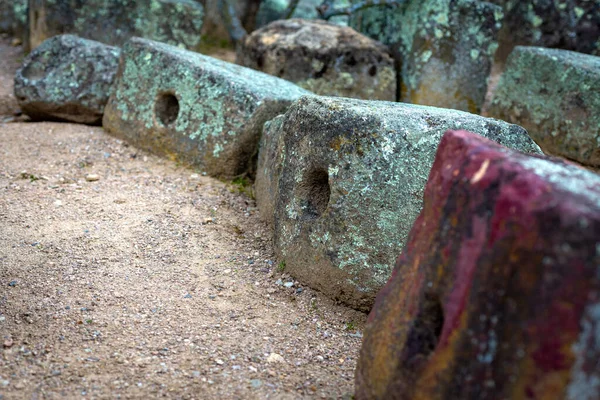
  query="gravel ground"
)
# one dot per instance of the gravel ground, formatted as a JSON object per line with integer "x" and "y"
{"x": 123, "y": 275}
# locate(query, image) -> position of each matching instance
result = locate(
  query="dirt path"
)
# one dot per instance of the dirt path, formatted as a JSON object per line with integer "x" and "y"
{"x": 150, "y": 281}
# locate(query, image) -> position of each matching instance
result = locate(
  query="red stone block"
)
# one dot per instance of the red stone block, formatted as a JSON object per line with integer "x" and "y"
{"x": 497, "y": 293}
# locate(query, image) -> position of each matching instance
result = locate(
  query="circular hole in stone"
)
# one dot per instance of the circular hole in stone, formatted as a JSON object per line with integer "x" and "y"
{"x": 315, "y": 191}
{"x": 166, "y": 108}
{"x": 33, "y": 71}
{"x": 426, "y": 329}
{"x": 373, "y": 70}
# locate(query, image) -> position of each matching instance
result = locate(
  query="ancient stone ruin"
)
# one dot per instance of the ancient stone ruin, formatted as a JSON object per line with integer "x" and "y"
{"x": 496, "y": 293}
{"x": 67, "y": 78}
{"x": 474, "y": 247}
{"x": 344, "y": 182}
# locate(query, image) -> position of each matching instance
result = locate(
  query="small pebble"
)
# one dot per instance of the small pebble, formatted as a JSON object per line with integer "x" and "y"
{"x": 275, "y": 358}
{"x": 92, "y": 177}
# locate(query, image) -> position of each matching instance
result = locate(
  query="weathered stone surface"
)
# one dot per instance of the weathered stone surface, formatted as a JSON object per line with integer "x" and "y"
{"x": 13, "y": 15}
{"x": 193, "y": 108}
{"x": 569, "y": 24}
{"x": 177, "y": 22}
{"x": 497, "y": 294}
{"x": 446, "y": 48}
{"x": 349, "y": 184}
{"x": 272, "y": 10}
{"x": 67, "y": 78}
{"x": 555, "y": 95}
{"x": 326, "y": 59}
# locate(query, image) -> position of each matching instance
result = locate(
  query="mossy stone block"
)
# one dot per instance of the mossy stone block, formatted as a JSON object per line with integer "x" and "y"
{"x": 555, "y": 95}
{"x": 445, "y": 48}
{"x": 194, "y": 108}
{"x": 176, "y": 22}
{"x": 567, "y": 24}
{"x": 348, "y": 184}
{"x": 67, "y": 78}
{"x": 13, "y": 16}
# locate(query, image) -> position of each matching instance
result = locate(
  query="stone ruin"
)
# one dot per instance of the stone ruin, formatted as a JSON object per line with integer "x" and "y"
{"x": 496, "y": 283}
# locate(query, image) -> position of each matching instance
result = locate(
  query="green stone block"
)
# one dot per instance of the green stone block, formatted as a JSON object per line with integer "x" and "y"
{"x": 67, "y": 78}
{"x": 176, "y": 22}
{"x": 193, "y": 108}
{"x": 341, "y": 181}
{"x": 13, "y": 16}
{"x": 445, "y": 48}
{"x": 555, "y": 95}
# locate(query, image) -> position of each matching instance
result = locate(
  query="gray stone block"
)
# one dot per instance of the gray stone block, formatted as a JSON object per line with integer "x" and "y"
{"x": 555, "y": 95}
{"x": 194, "y": 108}
{"x": 445, "y": 48}
{"x": 348, "y": 184}
{"x": 177, "y": 22}
{"x": 67, "y": 78}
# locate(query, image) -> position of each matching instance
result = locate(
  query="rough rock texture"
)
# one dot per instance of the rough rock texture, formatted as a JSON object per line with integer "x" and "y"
{"x": 349, "y": 184}
{"x": 567, "y": 24}
{"x": 193, "y": 108}
{"x": 445, "y": 48}
{"x": 496, "y": 295}
{"x": 177, "y": 22}
{"x": 324, "y": 58}
{"x": 272, "y": 10}
{"x": 67, "y": 78}
{"x": 13, "y": 16}
{"x": 555, "y": 95}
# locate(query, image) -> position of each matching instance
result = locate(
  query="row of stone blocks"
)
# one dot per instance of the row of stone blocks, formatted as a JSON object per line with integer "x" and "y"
{"x": 497, "y": 287}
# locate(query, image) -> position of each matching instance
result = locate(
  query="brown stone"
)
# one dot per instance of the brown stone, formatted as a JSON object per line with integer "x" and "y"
{"x": 324, "y": 58}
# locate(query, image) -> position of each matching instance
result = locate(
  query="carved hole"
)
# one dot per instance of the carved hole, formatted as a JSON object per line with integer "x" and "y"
{"x": 166, "y": 108}
{"x": 314, "y": 191}
{"x": 427, "y": 328}
{"x": 373, "y": 70}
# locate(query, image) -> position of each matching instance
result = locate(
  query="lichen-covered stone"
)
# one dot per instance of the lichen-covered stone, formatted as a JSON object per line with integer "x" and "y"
{"x": 13, "y": 16}
{"x": 555, "y": 95}
{"x": 445, "y": 48}
{"x": 326, "y": 59}
{"x": 567, "y": 24}
{"x": 67, "y": 78}
{"x": 272, "y": 10}
{"x": 177, "y": 22}
{"x": 192, "y": 107}
{"x": 497, "y": 293}
{"x": 349, "y": 184}
{"x": 270, "y": 163}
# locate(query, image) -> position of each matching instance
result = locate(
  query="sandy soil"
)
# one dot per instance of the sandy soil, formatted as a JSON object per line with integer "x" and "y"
{"x": 123, "y": 275}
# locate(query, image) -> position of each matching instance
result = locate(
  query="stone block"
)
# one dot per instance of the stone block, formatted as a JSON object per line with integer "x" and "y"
{"x": 176, "y": 22}
{"x": 349, "y": 184}
{"x": 193, "y": 108}
{"x": 555, "y": 95}
{"x": 67, "y": 78}
{"x": 13, "y": 16}
{"x": 569, "y": 25}
{"x": 445, "y": 48}
{"x": 327, "y": 59}
{"x": 496, "y": 295}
